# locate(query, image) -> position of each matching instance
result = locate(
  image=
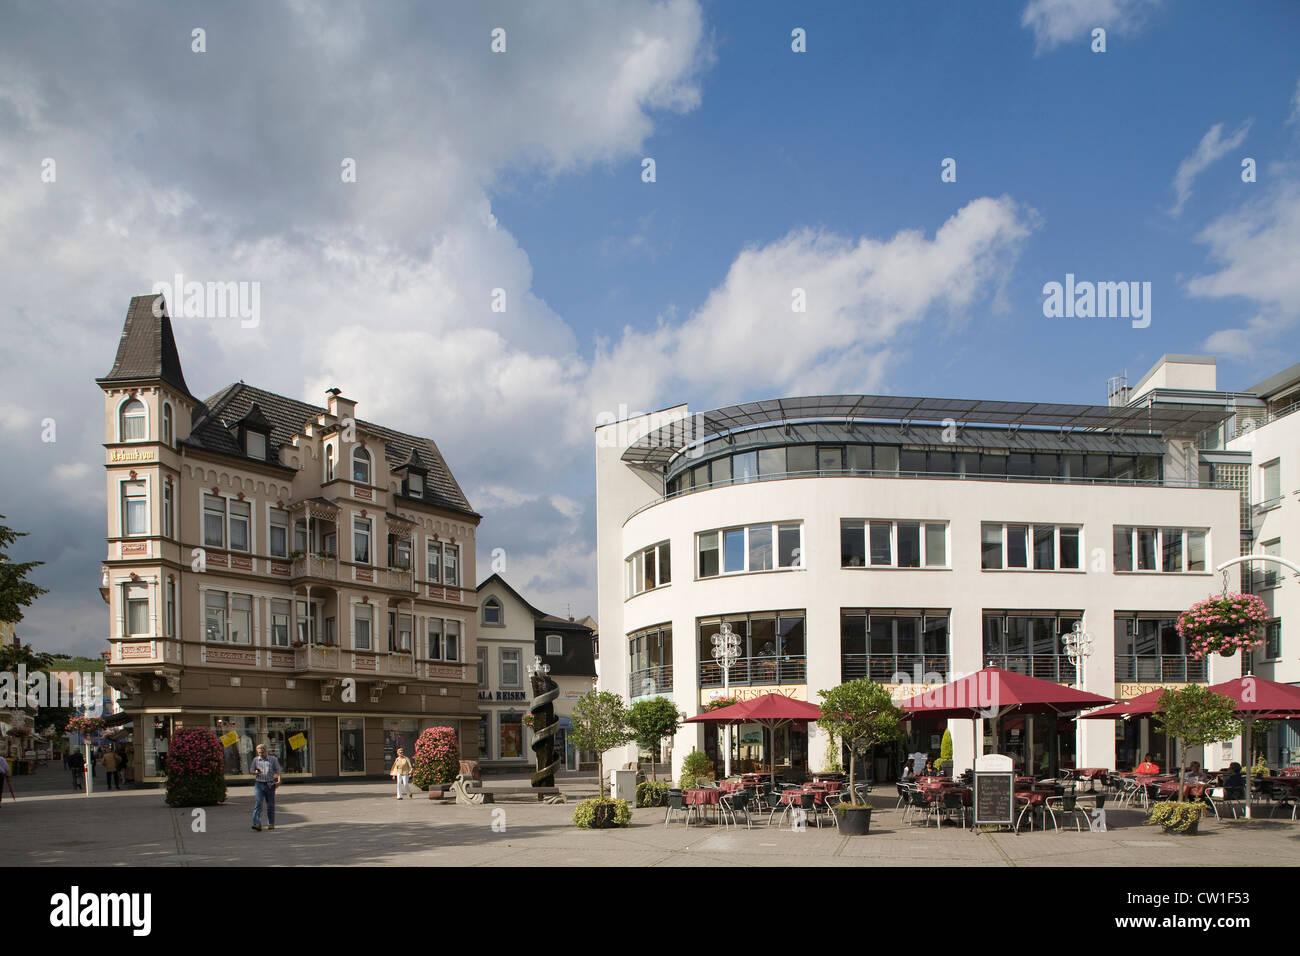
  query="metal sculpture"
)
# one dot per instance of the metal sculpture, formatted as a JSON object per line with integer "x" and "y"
{"x": 464, "y": 798}
{"x": 545, "y": 724}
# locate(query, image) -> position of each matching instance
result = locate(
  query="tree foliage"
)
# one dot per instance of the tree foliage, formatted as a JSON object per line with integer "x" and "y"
{"x": 599, "y": 723}
{"x": 16, "y": 592}
{"x": 650, "y": 721}
{"x": 1196, "y": 716}
{"x": 862, "y": 714}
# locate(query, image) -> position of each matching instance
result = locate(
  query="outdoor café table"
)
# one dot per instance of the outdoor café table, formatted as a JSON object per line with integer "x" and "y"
{"x": 727, "y": 786}
{"x": 702, "y": 799}
{"x": 1091, "y": 774}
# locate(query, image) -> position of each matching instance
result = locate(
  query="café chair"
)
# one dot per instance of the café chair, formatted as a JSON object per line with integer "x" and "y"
{"x": 735, "y": 802}
{"x": 952, "y": 800}
{"x": 1066, "y": 805}
{"x": 676, "y": 804}
{"x": 918, "y": 803}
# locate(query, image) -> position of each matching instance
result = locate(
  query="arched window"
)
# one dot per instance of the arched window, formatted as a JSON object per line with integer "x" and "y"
{"x": 133, "y": 421}
{"x": 492, "y": 612}
{"x": 167, "y": 425}
{"x": 329, "y": 462}
{"x": 361, "y": 465}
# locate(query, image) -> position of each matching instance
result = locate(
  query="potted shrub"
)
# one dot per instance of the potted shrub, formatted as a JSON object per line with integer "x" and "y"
{"x": 600, "y": 724}
{"x": 1177, "y": 816}
{"x": 1224, "y": 624}
{"x": 697, "y": 769}
{"x": 863, "y": 715}
{"x": 650, "y": 793}
{"x": 195, "y": 768}
{"x": 437, "y": 760}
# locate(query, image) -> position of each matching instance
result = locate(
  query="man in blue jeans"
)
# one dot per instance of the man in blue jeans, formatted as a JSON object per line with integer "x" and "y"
{"x": 266, "y": 777}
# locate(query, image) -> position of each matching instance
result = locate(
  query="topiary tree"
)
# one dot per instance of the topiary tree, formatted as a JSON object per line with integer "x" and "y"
{"x": 863, "y": 715}
{"x": 1196, "y": 715}
{"x": 437, "y": 758}
{"x": 195, "y": 768}
{"x": 599, "y": 723}
{"x": 945, "y": 747}
{"x": 650, "y": 721}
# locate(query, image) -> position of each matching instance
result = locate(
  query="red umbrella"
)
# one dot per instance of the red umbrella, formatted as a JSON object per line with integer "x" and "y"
{"x": 1256, "y": 697}
{"x": 770, "y": 710}
{"x": 1143, "y": 705}
{"x": 994, "y": 691}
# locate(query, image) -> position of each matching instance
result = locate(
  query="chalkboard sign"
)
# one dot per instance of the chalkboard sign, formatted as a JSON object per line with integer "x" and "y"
{"x": 994, "y": 803}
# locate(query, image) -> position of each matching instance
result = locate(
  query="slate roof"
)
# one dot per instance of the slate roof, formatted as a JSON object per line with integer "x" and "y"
{"x": 147, "y": 349}
{"x": 287, "y": 417}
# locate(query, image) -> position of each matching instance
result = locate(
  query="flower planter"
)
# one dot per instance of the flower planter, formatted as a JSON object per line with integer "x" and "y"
{"x": 855, "y": 821}
{"x": 604, "y": 817}
{"x": 1189, "y": 831}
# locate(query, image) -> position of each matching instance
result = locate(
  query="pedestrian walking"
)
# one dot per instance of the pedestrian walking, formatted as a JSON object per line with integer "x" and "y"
{"x": 266, "y": 777}
{"x": 77, "y": 761}
{"x": 112, "y": 763}
{"x": 401, "y": 772}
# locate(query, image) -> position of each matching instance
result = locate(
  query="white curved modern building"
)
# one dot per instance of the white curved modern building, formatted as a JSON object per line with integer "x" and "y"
{"x": 913, "y": 540}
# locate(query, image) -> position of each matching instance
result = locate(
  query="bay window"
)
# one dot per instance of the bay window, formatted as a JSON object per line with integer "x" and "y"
{"x": 133, "y": 426}
{"x": 135, "y": 509}
{"x": 361, "y": 540}
{"x": 361, "y": 616}
{"x": 168, "y": 508}
{"x": 761, "y": 547}
{"x": 135, "y": 603}
{"x": 649, "y": 568}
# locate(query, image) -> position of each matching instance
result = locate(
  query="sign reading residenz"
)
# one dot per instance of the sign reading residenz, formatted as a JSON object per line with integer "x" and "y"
{"x": 994, "y": 790}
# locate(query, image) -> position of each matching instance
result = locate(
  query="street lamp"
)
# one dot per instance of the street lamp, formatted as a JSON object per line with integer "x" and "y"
{"x": 1078, "y": 647}
{"x": 726, "y": 651}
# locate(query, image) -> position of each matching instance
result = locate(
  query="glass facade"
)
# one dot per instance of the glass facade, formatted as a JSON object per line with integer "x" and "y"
{"x": 289, "y": 739}
{"x": 352, "y": 745}
{"x": 238, "y": 736}
{"x": 399, "y": 732}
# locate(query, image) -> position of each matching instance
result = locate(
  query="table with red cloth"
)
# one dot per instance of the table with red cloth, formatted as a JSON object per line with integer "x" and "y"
{"x": 702, "y": 798}
{"x": 729, "y": 786}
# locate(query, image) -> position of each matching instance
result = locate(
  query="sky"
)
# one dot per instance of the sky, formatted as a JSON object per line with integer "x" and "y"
{"x": 507, "y": 263}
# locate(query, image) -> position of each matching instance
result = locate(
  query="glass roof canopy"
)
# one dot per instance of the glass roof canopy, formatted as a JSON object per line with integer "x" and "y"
{"x": 1166, "y": 417}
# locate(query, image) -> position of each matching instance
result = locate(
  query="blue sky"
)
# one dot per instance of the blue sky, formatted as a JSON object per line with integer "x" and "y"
{"x": 521, "y": 170}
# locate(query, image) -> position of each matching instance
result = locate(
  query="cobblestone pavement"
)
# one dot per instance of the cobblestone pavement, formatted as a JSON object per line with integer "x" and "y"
{"x": 361, "y": 823}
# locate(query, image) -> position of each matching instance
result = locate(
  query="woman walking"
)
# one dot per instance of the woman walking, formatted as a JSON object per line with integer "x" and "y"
{"x": 402, "y": 773}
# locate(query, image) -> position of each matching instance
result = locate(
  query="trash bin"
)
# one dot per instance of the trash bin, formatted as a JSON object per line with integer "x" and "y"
{"x": 622, "y": 785}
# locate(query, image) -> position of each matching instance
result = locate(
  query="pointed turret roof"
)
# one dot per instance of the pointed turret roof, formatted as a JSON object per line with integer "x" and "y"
{"x": 147, "y": 349}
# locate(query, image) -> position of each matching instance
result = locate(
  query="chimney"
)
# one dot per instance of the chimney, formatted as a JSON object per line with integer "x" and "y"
{"x": 339, "y": 406}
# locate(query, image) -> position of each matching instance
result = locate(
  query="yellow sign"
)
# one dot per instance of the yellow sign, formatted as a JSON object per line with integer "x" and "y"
{"x": 230, "y": 739}
{"x": 130, "y": 454}
{"x": 297, "y": 741}
{"x": 1127, "y": 690}
{"x": 793, "y": 691}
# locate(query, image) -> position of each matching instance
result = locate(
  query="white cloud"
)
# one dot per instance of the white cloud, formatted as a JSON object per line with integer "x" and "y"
{"x": 1213, "y": 146}
{"x": 1055, "y": 22}
{"x": 1294, "y": 118}
{"x": 73, "y": 473}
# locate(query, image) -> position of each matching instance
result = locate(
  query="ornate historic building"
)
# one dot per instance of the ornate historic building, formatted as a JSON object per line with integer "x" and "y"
{"x": 279, "y": 571}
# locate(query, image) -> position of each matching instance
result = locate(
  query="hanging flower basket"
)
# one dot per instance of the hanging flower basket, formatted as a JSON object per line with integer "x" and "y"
{"x": 528, "y": 720}
{"x": 85, "y": 725}
{"x": 1223, "y": 625}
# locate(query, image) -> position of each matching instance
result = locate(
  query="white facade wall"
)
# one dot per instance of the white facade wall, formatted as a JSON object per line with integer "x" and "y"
{"x": 822, "y": 587}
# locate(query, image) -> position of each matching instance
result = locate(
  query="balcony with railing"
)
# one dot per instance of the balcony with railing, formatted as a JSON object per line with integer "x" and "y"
{"x": 649, "y": 681}
{"x": 887, "y": 668}
{"x": 1171, "y": 668}
{"x": 400, "y": 579}
{"x": 1053, "y": 667}
{"x": 319, "y": 566}
{"x": 754, "y": 671}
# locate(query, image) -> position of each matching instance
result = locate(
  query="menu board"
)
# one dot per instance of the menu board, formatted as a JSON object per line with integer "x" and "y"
{"x": 993, "y": 798}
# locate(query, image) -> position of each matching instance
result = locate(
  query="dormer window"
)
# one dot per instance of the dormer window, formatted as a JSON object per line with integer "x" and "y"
{"x": 133, "y": 421}
{"x": 361, "y": 465}
{"x": 255, "y": 445}
{"x": 253, "y": 432}
{"x": 415, "y": 485}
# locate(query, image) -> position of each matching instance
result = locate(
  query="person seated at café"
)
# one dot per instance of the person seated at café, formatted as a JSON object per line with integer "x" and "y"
{"x": 1235, "y": 780}
{"x": 1148, "y": 766}
{"x": 929, "y": 769}
{"x": 1194, "y": 774}
{"x": 907, "y": 772}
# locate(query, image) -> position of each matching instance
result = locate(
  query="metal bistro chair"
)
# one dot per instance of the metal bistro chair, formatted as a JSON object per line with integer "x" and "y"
{"x": 823, "y": 808}
{"x": 676, "y": 803}
{"x": 1228, "y": 801}
{"x": 904, "y": 793}
{"x": 917, "y": 802}
{"x": 735, "y": 802}
{"x": 1067, "y": 805}
{"x": 952, "y": 801}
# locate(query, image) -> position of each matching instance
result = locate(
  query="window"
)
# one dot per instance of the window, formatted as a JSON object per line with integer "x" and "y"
{"x": 361, "y": 465}
{"x": 329, "y": 462}
{"x": 902, "y": 544}
{"x": 135, "y": 604}
{"x": 482, "y": 666}
{"x": 279, "y": 623}
{"x": 300, "y": 536}
{"x": 1273, "y": 639}
{"x": 484, "y": 728}
{"x": 1168, "y": 550}
{"x": 434, "y": 564}
{"x": 167, "y": 424}
{"x": 241, "y": 619}
{"x": 1267, "y": 573}
{"x": 214, "y": 521}
{"x": 451, "y": 640}
{"x": 415, "y": 484}
{"x": 1040, "y": 547}
{"x": 362, "y": 618}
{"x": 169, "y": 607}
{"x": 399, "y": 553}
{"x": 1270, "y": 483}
{"x": 214, "y": 616}
{"x": 280, "y": 533}
{"x": 134, "y": 426}
{"x": 255, "y": 445}
{"x": 510, "y": 667}
{"x": 168, "y": 509}
{"x": 135, "y": 509}
{"x": 361, "y": 540}
{"x": 511, "y": 735}
{"x": 352, "y": 745}
{"x": 239, "y": 526}
{"x": 450, "y": 562}
{"x": 405, "y": 628}
{"x": 764, "y": 547}
{"x": 493, "y": 613}
{"x": 435, "y": 639}
{"x": 554, "y": 645}
{"x": 649, "y": 568}
{"x": 744, "y": 467}
{"x": 307, "y": 622}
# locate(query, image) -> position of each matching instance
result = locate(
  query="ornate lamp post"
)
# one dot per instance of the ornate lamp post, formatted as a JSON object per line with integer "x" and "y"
{"x": 1078, "y": 648}
{"x": 726, "y": 651}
